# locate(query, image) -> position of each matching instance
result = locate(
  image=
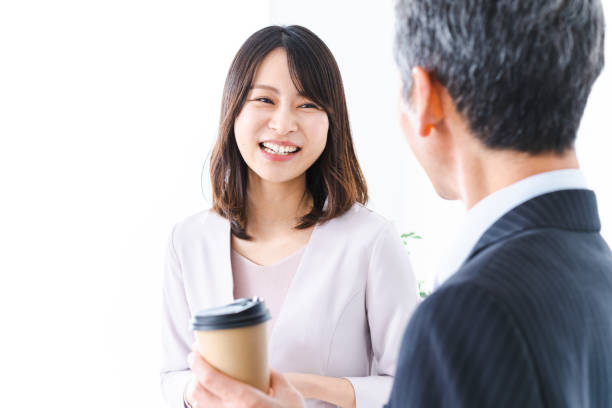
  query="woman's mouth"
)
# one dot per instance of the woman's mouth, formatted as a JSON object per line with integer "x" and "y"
{"x": 278, "y": 149}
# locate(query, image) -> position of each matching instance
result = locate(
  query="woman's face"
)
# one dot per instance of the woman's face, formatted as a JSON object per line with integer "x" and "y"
{"x": 279, "y": 132}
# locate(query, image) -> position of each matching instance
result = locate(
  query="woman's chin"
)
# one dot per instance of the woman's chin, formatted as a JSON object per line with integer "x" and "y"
{"x": 276, "y": 178}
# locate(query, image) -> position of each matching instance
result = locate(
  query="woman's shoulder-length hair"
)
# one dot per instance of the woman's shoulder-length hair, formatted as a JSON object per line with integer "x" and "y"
{"x": 335, "y": 180}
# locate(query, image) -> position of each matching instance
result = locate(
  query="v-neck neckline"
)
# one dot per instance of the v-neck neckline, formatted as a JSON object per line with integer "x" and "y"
{"x": 275, "y": 264}
{"x": 292, "y": 286}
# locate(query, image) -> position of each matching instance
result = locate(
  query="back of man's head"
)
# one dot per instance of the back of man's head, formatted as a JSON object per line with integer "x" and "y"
{"x": 519, "y": 71}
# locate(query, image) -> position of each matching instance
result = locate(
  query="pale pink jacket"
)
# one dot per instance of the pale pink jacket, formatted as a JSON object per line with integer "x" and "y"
{"x": 344, "y": 314}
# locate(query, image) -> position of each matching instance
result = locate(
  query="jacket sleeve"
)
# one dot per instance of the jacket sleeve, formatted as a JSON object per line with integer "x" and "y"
{"x": 176, "y": 333}
{"x": 391, "y": 297}
{"x": 462, "y": 349}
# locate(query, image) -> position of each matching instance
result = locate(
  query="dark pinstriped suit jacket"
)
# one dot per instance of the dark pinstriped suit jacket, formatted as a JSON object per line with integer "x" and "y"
{"x": 525, "y": 322}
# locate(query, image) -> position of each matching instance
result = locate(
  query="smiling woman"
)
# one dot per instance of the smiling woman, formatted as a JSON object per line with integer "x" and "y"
{"x": 283, "y": 79}
{"x": 288, "y": 224}
{"x": 266, "y": 129}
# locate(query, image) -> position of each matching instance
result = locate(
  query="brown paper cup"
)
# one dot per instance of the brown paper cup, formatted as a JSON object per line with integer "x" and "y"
{"x": 233, "y": 339}
{"x": 241, "y": 353}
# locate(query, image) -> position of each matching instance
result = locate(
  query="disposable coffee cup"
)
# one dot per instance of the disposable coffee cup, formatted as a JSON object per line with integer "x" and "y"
{"x": 233, "y": 339}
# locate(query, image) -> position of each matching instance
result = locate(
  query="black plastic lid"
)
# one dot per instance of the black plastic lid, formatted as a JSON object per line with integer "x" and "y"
{"x": 240, "y": 313}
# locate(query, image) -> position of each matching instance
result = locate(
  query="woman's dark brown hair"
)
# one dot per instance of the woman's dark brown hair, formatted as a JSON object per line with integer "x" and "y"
{"x": 335, "y": 180}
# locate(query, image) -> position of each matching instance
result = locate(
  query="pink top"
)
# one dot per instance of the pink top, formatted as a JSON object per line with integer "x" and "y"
{"x": 270, "y": 283}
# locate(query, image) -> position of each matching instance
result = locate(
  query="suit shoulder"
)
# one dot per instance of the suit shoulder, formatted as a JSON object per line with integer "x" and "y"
{"x": 464, "y": 333}
{"x": 466, "y": 300}
{"x": 449, "y": 297}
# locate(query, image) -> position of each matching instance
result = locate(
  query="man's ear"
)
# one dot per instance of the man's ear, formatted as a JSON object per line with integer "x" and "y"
{"x": 426, "y": 101}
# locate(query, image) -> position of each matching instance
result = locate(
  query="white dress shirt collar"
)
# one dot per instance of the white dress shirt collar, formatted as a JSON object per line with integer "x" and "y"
{"x": 491, "y": 208}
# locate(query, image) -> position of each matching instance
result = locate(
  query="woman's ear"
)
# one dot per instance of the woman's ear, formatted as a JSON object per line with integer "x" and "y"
{"x": 426, "y": 101}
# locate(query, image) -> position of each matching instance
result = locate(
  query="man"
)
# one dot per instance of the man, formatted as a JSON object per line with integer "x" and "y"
{"x": 493, "y": 95}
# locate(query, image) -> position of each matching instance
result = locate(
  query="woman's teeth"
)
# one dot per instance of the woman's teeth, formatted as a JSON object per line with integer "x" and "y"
{"x": 278, "y": 149}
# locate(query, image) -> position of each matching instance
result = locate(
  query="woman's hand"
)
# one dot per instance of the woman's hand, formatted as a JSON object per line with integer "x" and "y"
{"x": 211, "y": 388}
{"x": 337, "y": 391}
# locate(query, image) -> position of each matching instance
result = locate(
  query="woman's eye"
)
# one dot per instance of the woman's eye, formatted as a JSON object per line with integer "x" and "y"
{"x": 264, "y": 100}
{"x": 309, "y": 105}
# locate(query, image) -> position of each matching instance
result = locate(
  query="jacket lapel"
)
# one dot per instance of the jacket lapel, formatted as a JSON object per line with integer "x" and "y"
{"x": 219, "y": 260}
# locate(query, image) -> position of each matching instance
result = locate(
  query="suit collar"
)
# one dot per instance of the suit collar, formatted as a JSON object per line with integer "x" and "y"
{"x": 574, "y": 210}
{"x": 491, "y": 208}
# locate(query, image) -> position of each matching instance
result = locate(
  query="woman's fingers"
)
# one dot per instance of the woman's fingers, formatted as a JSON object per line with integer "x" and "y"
{"x": 199, "y": 397}
{"x": 220, "y": 389}
{"x": 223, "y": 387}
{"x": 279, "y": 381}
{"x": 283, "y": 391}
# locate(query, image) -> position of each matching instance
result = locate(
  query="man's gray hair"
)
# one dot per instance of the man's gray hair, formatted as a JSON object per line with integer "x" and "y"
{"x": 519, "y": 71}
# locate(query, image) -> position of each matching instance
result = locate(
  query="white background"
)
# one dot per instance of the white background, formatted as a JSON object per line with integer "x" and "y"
{"x": 107, "y": 113}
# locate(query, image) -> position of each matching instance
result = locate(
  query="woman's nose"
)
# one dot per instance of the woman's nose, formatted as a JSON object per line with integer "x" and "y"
{"x": 283, "y": 121}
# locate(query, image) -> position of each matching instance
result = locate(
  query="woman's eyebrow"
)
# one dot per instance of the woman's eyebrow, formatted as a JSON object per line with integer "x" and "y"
{"x": 267, "y": 87}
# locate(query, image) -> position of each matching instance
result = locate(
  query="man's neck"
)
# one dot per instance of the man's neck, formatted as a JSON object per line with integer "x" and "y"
{"x": 486, "y": 171}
